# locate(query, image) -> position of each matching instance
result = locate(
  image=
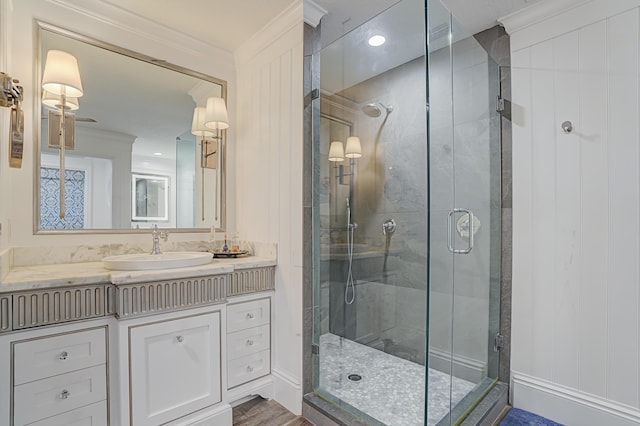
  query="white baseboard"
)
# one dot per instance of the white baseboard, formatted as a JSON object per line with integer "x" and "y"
{"x": 569, "y": 406}
{"x": 287, "y": 391}
{"x": 463, "y": 367}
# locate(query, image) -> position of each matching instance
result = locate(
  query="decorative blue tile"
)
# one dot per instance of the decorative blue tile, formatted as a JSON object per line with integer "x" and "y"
{"x": 74, "y": 185}
{"x": 518, "y": 417}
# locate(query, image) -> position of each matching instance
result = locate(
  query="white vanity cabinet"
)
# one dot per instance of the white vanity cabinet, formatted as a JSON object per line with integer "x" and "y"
{"x": 60, "y": 379}
{"x": 174, "y": 368}
{"x": 177, "y": 352}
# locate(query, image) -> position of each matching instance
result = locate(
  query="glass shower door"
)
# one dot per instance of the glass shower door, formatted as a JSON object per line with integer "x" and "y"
{"x": 465, "y": 206}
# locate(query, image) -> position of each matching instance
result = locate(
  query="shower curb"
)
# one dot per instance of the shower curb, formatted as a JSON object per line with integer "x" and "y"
{"x": 490, "y": 408}
{"x": 323, "y": 413}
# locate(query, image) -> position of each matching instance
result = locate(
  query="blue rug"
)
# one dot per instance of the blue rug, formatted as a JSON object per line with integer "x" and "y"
{"x": 518, "y": 417}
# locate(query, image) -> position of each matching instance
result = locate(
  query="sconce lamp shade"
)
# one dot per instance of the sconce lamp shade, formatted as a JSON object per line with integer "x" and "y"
{"x": 353, "y": 148}
{"x": 61, "y": 74}
{"x": 216, "y": 115}
{"x": 336, "y": 151}
{"x": 55, "y": 101}
{"x": 197, "y": 127}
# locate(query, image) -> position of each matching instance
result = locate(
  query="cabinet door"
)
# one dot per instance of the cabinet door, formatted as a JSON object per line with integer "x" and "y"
{"x": 174, "y": 368}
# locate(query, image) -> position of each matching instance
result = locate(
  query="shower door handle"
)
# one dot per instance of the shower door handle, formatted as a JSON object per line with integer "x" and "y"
{"x": 450, "y": 231}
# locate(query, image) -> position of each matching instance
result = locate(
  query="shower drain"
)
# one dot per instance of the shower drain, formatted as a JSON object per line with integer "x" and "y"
{"x": 354, "y": 377}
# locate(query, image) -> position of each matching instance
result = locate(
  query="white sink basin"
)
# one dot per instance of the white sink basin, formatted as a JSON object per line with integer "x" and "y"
{"x": 145, "y": 262}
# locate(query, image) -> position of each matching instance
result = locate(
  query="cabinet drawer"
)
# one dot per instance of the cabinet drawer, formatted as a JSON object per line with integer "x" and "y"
{"x": 247, "y": 342}
{"x": 48, "y": 397}
{"x": 91, "y": 415}
{"x": 247, "y": 368}
{"x": 241, "y": 316}
{"x": 50, "y": 356}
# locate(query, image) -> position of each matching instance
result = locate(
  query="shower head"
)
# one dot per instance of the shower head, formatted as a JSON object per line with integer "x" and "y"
{"x": 373, "y": 110}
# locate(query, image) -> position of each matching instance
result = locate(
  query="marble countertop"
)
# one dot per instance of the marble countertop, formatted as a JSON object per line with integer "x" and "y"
{"x": 65, "y": 274}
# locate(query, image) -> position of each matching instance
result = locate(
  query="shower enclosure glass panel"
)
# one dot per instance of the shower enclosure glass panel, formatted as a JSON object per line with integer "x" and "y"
{"x": 465, "y": 207}
{"x": 402, "y": 326}
{"x": 371, "y": 290}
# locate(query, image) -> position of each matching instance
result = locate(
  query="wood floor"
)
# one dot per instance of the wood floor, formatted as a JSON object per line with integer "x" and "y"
{"x": 260, "y": 412}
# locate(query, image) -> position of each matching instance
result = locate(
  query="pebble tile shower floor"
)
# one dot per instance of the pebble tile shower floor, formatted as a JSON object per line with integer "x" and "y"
{"x": 391, "y": 389}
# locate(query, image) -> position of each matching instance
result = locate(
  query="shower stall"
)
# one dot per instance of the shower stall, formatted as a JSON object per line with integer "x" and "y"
{"x": 406, "y": 219}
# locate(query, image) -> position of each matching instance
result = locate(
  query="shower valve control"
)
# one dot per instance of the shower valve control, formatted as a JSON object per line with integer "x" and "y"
{"x": 389, "y": 227}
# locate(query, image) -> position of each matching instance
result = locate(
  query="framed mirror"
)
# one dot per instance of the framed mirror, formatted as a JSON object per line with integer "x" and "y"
{"x": 150, "y": 199}
{"x": 132, "y": 134}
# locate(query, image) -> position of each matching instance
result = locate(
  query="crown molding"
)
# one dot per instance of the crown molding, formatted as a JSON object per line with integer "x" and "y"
{"x": 313, "y": 13}
{"x": 537, "y": 13}
{"x": 276, "y": 28}
{"x": 107, "y": 13}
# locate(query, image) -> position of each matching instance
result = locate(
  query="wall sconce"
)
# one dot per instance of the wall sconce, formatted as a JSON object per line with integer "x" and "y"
{"x": 338, "y": 152}
{"x": 199, "y": 129}
{"x": 207, "y": 123}
{"x": 11, "y": 97}
{"x": 61, "y": 78}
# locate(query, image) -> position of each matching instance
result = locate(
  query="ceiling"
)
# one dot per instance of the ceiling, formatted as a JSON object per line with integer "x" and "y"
{"x": 227, "y": 24}
{"x": 474, "y": 15}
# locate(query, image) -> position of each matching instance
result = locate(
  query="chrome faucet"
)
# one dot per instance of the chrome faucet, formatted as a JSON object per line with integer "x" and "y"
{"x": 156, "y": 239}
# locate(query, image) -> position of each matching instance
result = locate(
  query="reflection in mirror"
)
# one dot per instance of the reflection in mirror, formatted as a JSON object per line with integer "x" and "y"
{"x": 150, "y": 198}
{"x": 135, "y": 119}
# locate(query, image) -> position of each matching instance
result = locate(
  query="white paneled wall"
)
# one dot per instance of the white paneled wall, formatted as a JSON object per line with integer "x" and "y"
{"x": 576, "y": 232}
{"x": 269, "y": 178}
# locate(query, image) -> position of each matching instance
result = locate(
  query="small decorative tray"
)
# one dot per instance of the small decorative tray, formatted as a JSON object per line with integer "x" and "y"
{"x": 240, "y": 253}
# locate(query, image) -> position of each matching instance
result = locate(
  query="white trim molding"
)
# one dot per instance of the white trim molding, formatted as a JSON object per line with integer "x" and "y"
{"x": 142, "y": 27}
{"x": 569, "y": 406}
{"x": 537, "y": 13}
{"x": 269, "y": 34}
{"x": 313, "y": 13}
{"x": 551, "y": 18}
{"x": 287, "y": 391}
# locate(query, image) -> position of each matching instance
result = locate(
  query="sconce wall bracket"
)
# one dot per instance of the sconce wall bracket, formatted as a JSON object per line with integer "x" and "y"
{"x": 11, "y": 93}
{"x": 11, "y": 97}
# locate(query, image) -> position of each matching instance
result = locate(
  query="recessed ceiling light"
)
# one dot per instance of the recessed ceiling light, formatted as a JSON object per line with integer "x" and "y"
{"x": 158, "y": 153}
{"x": 377, "y": 40}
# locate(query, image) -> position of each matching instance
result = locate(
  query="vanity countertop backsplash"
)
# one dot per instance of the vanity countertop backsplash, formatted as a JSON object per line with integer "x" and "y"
{"x": 25, "y": 268}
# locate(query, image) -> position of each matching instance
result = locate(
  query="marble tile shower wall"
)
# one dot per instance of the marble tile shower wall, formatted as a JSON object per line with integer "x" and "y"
{"x": 390, "y": 308}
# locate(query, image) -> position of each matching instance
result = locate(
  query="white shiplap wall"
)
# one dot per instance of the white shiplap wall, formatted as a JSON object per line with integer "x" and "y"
{"x": 576, "y": 206}
{"x": 269, "y": 179}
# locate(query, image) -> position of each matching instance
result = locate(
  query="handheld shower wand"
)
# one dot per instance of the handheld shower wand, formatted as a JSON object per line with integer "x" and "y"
{"x": 350, "y": 284}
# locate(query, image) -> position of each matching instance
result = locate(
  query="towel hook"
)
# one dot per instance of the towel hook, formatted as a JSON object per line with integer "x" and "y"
{"x": 567, "y": 127}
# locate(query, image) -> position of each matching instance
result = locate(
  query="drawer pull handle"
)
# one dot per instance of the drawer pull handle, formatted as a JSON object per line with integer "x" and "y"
{"x": 250, "y": 316}
{"x": 249, "y": 369}
{"x": 180, "y": 339}
{"x": 64, "y": 355}
{"x": 65, "y": 394}
{"x": 249, "y": 342}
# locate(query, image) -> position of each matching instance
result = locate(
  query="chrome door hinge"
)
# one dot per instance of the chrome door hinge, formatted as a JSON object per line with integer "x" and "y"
{"x": 503, "y": 107}
{"x": 498, "y": 342}
{"x": 311, "y": 96}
